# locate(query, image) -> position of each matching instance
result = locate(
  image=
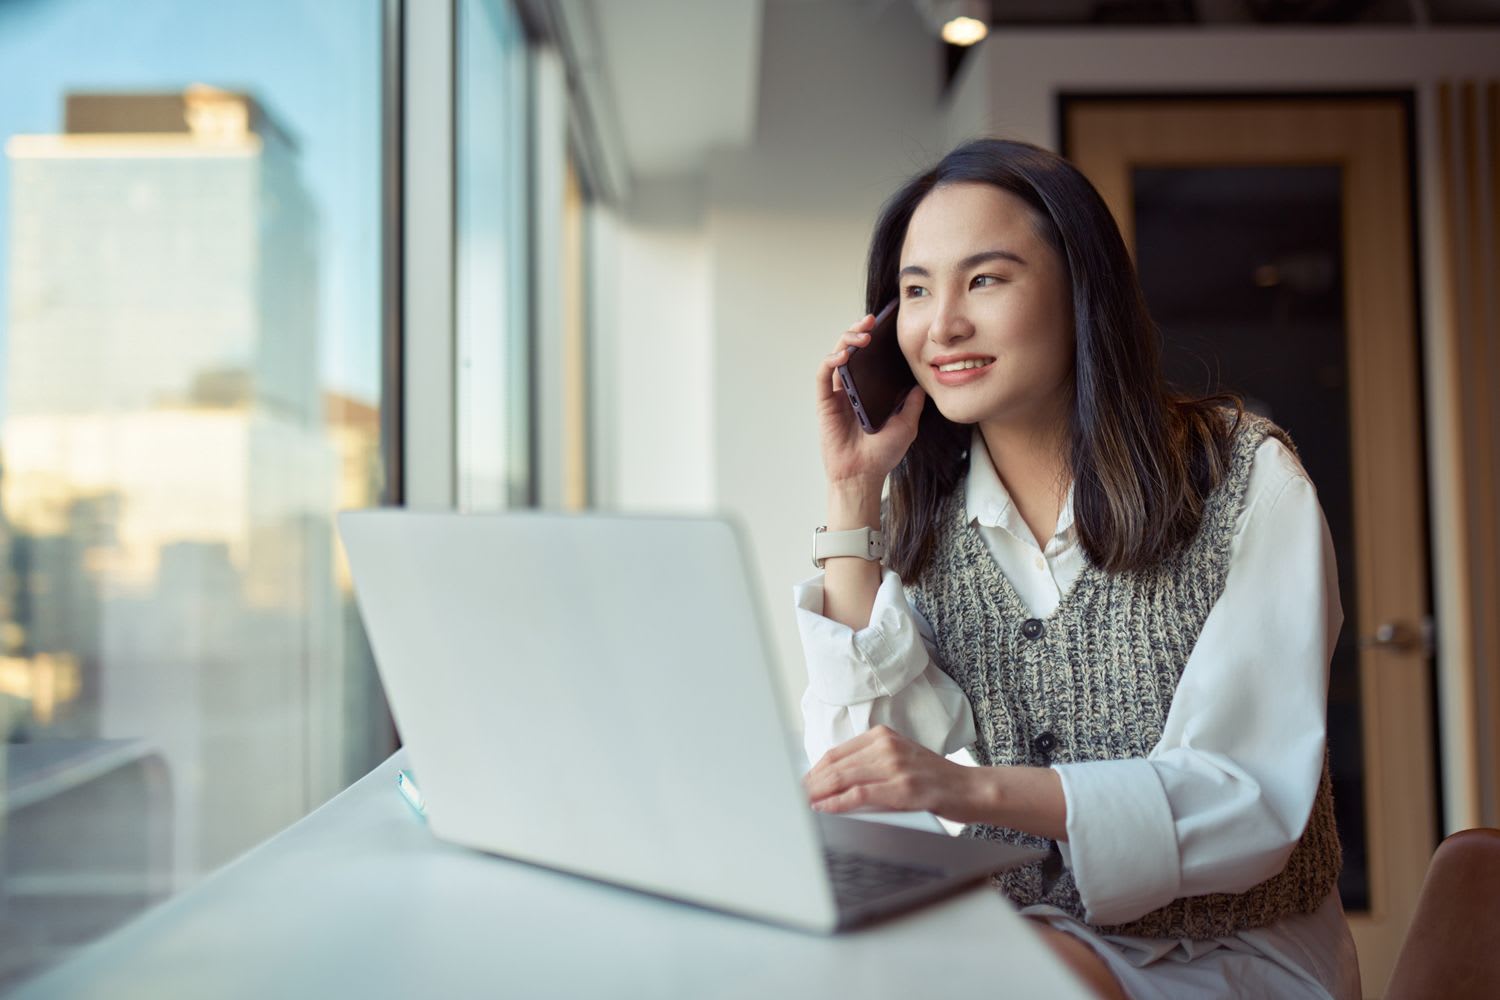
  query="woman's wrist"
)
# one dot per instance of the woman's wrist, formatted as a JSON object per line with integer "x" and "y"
{"x": 854, "y": 503}
{"x": 850, "y": 584}
{"x": 1020, "y": 798}
{"x": 986, "y": 795}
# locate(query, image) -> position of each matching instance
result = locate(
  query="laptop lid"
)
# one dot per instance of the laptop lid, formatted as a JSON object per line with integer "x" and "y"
{"x": 593, "y": 693}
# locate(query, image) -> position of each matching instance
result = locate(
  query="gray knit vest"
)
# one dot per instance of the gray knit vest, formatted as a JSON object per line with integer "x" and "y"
{"x": 1094, "y": 681}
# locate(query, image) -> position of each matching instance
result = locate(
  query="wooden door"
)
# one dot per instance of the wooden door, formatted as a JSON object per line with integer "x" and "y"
{"x": 1332, "y": 351}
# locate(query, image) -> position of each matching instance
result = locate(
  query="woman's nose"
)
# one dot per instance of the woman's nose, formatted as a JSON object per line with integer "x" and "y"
{"x": 949, "y": 324}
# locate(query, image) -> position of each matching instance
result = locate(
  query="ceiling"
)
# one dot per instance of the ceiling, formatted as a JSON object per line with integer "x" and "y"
{"x": 1231, "y": 12}
{"x": 664, "y": 82}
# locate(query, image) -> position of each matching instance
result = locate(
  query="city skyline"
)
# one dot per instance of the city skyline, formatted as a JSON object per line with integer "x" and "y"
{"x": 315, "y": 68}
{"x": 172, "y": 465}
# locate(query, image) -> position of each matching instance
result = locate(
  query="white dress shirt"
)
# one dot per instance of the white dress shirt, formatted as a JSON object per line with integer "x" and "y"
{"x": 1221, "y": 800}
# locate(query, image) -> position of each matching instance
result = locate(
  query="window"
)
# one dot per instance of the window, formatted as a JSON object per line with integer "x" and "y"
{"x": 190, "y": 387}
{"x": 492, "y": 150}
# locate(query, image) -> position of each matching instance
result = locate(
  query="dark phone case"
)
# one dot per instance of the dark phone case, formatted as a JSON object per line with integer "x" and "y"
{"x": 876, "y": 377}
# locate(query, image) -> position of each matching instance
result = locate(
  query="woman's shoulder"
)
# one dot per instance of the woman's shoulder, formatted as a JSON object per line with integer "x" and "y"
{"x": 1261, "y": 458}
{"x": 1275, "y": 465}
{"x": 1264, "y": 463}
{"x": 1257, "y": 440}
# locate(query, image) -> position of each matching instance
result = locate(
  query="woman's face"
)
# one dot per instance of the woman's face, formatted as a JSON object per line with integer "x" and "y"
{"x": 986, "y": 317}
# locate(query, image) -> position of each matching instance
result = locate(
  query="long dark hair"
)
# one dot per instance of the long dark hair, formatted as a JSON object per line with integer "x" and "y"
{"x": 1143, "y": 458}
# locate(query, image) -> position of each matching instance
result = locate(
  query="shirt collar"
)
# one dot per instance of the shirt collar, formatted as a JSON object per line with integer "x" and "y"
{"x": 988, "y": 502}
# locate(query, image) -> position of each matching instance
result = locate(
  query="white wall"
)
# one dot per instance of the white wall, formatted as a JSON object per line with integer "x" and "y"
{"x": 653, "y": 358}
{"x": 1020, "y": 72}
{"x": 1011, "y": 90}
{"x": 848, "y": 109}
{"x": 718, "y": 323}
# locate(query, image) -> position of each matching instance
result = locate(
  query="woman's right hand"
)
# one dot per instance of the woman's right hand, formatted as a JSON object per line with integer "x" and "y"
{"x": 850, "y": 456}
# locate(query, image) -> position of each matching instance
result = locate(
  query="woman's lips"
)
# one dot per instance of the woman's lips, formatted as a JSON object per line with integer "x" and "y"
{"x": 961, "y": 377}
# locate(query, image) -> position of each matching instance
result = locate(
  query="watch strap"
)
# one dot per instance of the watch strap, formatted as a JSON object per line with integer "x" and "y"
{"x": 861, "y": 543}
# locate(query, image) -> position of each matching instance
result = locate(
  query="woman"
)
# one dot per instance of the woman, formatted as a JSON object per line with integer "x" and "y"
{"x": 1122, "y": 601}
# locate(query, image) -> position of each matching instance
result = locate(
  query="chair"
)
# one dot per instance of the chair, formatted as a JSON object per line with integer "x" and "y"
{"x": 1452, "y": 950}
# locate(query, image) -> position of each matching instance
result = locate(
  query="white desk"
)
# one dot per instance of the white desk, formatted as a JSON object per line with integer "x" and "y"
{"x": 359, "y": 900}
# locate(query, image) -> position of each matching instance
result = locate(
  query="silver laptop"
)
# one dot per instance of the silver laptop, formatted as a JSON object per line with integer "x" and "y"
{"x": 595, "y": 694}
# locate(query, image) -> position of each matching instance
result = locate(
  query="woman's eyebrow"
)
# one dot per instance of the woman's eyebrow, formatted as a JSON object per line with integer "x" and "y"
{"x": 973, "y": 260}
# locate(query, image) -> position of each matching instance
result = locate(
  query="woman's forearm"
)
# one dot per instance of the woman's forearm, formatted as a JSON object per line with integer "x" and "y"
{"x": 850, "y": 584}
{"x": 1029, "y": 799}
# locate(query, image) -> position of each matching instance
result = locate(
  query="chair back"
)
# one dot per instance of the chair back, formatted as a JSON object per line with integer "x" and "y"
{"x": 1452, "y": 949}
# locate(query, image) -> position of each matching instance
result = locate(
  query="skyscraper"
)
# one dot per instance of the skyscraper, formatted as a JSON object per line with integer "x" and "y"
{"x": 169, "y": 476}
{"x": 162, "y": 252}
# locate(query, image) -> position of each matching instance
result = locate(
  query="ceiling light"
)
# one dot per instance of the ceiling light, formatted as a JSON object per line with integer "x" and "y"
{"x": 959, "y": 22}
{"x": 964, "y": 31}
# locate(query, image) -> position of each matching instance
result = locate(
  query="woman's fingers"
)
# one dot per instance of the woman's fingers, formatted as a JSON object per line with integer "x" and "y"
{"x": 894, "y": 789}
{"x": 839, "y": 353}
{"x": 828, "y": 371}
{"x": 868, "y": 752}
{"x": 847, "y": 341}
{"x": 856, "y": 743}
{"x": 879, "y": 768}
{"x": 829, "y": 368}
{"x": 871, "y": 796}
{"x": 841, "y": 778}
{"x": 856, "y": 336}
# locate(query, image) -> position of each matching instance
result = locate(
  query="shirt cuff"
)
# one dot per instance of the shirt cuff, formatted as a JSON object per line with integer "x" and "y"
{"x": 845, "y": 667}
{"x": 1122, "y": 845}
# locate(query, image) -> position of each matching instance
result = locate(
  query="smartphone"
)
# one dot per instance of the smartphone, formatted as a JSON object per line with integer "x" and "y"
{"x": 876, "y": 377}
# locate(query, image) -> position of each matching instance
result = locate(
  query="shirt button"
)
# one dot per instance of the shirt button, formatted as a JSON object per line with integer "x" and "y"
{"x": 1031, "y": 628}
{"x": 1044, "y": 744}
{"x": 1041, "y": 563}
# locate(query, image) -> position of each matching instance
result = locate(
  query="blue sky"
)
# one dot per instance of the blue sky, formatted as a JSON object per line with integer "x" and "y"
{"x": 314, "y": 65}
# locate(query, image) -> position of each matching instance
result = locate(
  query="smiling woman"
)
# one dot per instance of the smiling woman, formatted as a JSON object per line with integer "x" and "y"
{"x": 990, "y": 336}
{"x": 1091, "y": 562}
{"x": 1054, "y": 296}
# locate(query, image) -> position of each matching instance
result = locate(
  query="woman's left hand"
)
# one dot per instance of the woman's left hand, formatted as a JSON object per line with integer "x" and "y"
{"x": 881, "y": 769}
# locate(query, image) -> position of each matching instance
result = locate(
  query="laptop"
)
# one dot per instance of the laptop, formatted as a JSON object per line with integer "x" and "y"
{"x": 595, "y": 694}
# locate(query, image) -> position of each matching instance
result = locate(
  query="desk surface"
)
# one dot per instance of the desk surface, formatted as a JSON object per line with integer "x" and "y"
{"x": 359, "y": 900}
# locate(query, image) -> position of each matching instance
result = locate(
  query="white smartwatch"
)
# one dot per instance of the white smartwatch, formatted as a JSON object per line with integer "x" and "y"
{"x": 862, "y": 543}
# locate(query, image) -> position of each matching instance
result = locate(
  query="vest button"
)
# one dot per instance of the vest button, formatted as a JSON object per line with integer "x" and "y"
{"x": 1031, "y": 628}
{"x": 1044, "y": 744}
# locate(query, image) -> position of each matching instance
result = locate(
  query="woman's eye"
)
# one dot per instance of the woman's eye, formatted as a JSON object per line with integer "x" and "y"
{"x": 913, "y": 291}
{"x": 984, "y": 280}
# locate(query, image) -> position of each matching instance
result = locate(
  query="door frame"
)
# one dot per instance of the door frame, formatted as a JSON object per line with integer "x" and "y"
{"x": 1386, "y": 403}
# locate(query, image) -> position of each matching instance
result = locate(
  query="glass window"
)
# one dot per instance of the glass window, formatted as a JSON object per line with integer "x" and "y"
{"x": 190, "y": 352}
{"x": 492, "y": 151}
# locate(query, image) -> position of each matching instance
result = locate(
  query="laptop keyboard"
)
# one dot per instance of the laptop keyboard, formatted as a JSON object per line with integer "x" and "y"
{"x": 859, "y": 878}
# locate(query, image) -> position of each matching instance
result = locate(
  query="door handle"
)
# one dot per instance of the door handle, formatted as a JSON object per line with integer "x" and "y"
{"x": 1401, "y": 637}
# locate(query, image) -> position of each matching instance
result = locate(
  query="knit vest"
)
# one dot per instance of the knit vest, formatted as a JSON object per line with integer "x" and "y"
{"x": 1094, "y": 681}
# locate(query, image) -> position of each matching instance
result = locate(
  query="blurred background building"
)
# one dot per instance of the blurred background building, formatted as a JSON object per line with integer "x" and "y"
{"x": 181, "y": 662}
